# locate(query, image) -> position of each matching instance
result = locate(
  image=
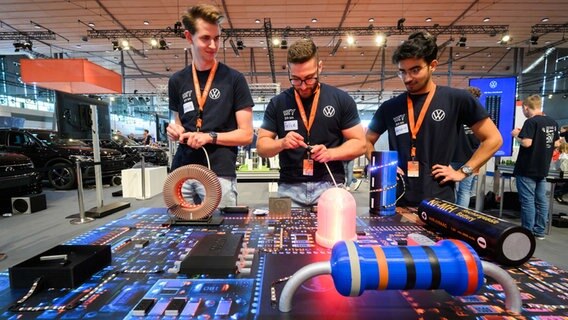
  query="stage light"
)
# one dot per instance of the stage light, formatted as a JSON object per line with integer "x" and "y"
{"x": 125, "y": 45}
{"x": 505, "y": 38}
{"x": 534, "y": 39}
{"x": 115, "y": 46}
{"x": 163, "y": 44}
{"x": 240, "y": 45}
{"x": 380, "y": 39}
{"x": 177, "y": 28}
{"x": 400, "y": 24}
{"x": 154, "y": 42}
{"x": 284, "y": 44}
{"x": 350, "y": 40}
{"x": 462, "y": 41}
{"x": 17, "y": 46}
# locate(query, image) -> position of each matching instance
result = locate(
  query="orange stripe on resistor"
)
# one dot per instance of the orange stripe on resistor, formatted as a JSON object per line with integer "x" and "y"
{"x": 470, "y": 262}
{"x": 382, "y": 266}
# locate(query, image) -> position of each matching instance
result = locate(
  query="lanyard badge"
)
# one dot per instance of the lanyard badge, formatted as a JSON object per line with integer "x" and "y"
{"x": 413, "y": 165}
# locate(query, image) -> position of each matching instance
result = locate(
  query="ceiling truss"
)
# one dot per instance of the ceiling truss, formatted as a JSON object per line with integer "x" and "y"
{"x": 305, "y": 32}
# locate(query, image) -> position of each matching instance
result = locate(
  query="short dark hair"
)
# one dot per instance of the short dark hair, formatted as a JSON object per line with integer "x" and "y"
{"x": 207, "y": 12}
{"x": 301, "y": 51}
{"x": 420, "y": 45}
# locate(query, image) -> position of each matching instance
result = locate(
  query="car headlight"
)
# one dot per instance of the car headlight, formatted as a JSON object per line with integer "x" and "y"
{"x": 81, "y": 158}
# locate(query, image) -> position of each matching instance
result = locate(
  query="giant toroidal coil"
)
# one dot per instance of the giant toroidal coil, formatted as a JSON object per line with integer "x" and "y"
{"x": 175, "y": 201}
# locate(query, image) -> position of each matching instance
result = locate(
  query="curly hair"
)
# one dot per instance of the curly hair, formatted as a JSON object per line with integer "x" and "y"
{"x": 419, "y": 45}
{"x": 475, "y": 91}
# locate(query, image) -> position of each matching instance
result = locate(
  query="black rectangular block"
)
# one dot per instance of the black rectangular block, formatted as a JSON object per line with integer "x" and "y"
{"x": 63, "y": 266}
{"x": 215, "y": 254}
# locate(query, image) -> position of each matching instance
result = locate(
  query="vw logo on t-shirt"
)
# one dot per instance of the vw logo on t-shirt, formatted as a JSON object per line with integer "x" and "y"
{"x": 214, "y": 94}
{"x": 329, "y": 111}
{"x": 493, "y": 84}
{"x": 438, "y": 115}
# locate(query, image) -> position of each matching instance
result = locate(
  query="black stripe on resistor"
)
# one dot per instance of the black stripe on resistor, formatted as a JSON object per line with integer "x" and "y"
{"x": 410, "y": 268}
{"x": 435, "y": 265}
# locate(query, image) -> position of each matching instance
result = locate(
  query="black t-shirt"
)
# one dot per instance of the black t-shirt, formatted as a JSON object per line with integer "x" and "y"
{"x": 229, "y": 93}
{"x": 336, "y": 111}
{"x": 466, "y": 146}
{"x": 449, "y": 110}
{"x": 534, "y": 161}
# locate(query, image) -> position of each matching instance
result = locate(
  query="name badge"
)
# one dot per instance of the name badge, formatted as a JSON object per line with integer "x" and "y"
{"x": 413, "y": 171}
{"x": 308, "y": 168}
{"x": 290, "y": 125}
{"x": 401, "y": 129}
{"x": 188, "y": 106}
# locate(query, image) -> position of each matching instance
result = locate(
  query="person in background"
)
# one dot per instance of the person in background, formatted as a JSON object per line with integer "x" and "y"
{"x": 424, "y": 122}
{"x": 211, "y": 106}
{"x": 564, "y": 133}
{"x": 467, "y": 144}
{"x": 562, "y": 166}
{"x": 147, "y": 139}
{"x": 351, "y": 184}
{"x": 313, "y": 127}
{"x": 537, "y": 138}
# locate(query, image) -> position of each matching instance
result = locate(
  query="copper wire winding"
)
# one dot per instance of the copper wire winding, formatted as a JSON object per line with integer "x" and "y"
{"x": 175, "y": 201}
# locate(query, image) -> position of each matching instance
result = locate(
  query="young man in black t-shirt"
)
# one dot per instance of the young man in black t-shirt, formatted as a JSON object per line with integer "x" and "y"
{"x": 538, "y": 137}
{"x": 310, "y": 126}
{"x": 211, "y": 104}
{"x": 423, "y": 125}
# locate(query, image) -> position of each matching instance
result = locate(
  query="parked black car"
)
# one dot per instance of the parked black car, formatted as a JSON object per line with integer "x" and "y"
{"x": 18, "y": 176}
{"x": 135, "y": 150}
{"x": 56, "y": 157}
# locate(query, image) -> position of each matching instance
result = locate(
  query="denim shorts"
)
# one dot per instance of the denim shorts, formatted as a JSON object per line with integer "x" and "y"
{"x": 304, "y": 194}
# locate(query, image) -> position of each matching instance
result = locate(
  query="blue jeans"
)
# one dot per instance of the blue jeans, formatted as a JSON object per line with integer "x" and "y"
{"x": 463, "y": 191}
{"x": 534, "y": 205}
{"x": 195, "y": 192}
{"x": 348, "y": 166}
{"x": 303, "y": 194}
{"x": 464, "y": 187}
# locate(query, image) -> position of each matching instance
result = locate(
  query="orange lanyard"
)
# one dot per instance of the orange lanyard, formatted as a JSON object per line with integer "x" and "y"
{"x": 202, "y": 97}
{"x": 414, "y": 128}
{"x": 314, "y": 108}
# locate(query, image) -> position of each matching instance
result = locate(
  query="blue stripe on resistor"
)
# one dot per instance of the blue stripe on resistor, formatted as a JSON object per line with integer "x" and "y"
{"x": 369, "y": 269}
{"x": 422, "y": 267}
{"x": 397, "y": 268}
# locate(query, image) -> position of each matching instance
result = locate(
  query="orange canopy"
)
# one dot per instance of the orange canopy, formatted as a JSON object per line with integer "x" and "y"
{"x": 77, "y": 76}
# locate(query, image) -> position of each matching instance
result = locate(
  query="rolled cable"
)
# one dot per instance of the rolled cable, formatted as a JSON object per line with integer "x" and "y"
{"x": 513, "y": 301}
{"x": 301, "y": 276}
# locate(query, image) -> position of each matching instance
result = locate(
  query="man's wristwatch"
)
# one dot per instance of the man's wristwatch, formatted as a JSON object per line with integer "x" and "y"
{"x": 467, "y": 170}
{"x": 213, "y": 135}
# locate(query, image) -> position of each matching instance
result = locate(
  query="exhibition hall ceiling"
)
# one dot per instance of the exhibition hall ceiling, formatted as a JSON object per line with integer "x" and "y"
{"x": 469, "y": 34}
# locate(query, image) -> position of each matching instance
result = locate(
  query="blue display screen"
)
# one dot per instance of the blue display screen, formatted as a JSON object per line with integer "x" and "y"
{"x": 498, "y": 98}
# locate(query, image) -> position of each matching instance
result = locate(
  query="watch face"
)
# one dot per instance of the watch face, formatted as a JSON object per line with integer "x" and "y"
{"x": 467, "y": 170}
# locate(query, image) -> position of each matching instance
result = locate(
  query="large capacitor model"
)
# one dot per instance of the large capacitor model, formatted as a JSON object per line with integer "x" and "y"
{"x": 491, "y": 237}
